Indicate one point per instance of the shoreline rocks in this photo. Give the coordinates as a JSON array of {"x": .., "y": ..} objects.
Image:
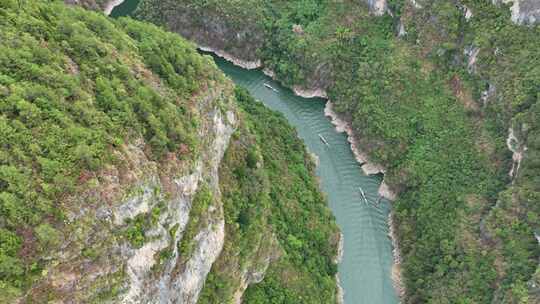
[
  {"x": 361, "y": 157},
  {"x": 396, "y": 266},
  {"x": 340, "y": 294},
  {"x": 249, "y": 65},
  {"x": 269, "y": 73},
  {"x": 111, "y": 5},
  {"x": 309, "y": 93},
  {"x": 337, "y": 260}
]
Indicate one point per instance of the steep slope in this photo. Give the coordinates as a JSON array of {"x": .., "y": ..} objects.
[
  {"x": 431, "y": 90},
  {"x": 106, "y": 132},
  {"x": 497, "y": 61},
  {"x": 112, "y": 135}
]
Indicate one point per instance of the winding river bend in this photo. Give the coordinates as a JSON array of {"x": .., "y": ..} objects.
[{"x": 365, "y": 269}]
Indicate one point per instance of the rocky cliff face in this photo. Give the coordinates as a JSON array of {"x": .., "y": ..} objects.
[
  {"x": 523, "y": 11},
  {"x": 377, "y": 7},
  {"x": 154, "y": 271},
  {"x": 118, "y": 239},
  {"x": 180, "y": 278}
]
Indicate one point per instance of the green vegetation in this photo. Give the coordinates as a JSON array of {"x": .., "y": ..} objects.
[
  {"x": 197, "y": 220},
  {"x": 428, "y": 142},
  {"x": 508, "y": 64},
  {"x": 108, "y": 287},
  {"x": 269, "y": 191},
  {"x": 75, "y": 89},
  {"x": 466, "y": 229},
  {"x": 136, "y": 228},
  {"x": 77, "y": 92}
]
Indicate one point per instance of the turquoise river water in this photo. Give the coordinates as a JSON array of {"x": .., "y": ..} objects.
[
  {"x": 125, "y": 8},
  {"x": 365, "y": 269}
]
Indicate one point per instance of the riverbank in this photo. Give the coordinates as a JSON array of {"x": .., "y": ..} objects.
[
  {"x": 111, "y": 5},
  {"x": 339, "y": 257},
  {"x": 384, "y": 190},
  {"x": 298, "y": 90},
  {"x": 249, "y": 65},
  {"x": 361, "y": 157},
  {"x": 396, "y": 253}
]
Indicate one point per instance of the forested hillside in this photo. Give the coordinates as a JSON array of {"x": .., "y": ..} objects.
[
  {"x": 112, "y": 187},
  {"x": 74, "y": 89},
  {"x": 437, "y": 92}
]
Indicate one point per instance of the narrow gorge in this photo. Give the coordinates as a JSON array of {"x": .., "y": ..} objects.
[{"x": 270, "y": 152}]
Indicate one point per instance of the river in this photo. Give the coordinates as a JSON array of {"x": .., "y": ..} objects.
[
  {"x": 125, "y": 8},
  {"x": 365, "y": 269}
]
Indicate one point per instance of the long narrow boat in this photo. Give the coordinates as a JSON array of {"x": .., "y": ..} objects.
[
  {"x": 363, "y": 195},
  {"x": 323, "y": 140},
  {"x": 270, "y": 87}
]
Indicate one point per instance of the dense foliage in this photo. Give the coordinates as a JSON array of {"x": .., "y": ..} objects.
[
  {"x": 270, "y": 192},
  {"x": 74, "y": 88},
  {"x": 504, "y": 79},
  {"x": 197, "y": 220},
  {"x": 77, "y": 90},
  {"x": 422, "y": 106},
  {"x": 428, "y": 142}
]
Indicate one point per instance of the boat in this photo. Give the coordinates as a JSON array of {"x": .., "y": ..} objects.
[
  {"x": 270, "y": 87},
  {"x": 323, "y": 140},
  {"x": 363, "y": 195}
]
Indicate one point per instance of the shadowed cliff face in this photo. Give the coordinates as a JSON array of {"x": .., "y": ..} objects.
[
  {"x": 89, "y": 4},
  {"x": 209, "y": 29},
  {"x": 205, "y": 24}
]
